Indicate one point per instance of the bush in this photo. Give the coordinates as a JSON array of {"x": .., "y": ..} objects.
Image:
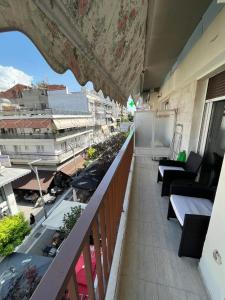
[
  {"x": 13, "y": 230},
  {"x": 69, "y": 220},
  {"x": 92, "y": 153}
]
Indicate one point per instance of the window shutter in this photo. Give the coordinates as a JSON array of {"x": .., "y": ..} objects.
[{"x": 216, "y": 86}]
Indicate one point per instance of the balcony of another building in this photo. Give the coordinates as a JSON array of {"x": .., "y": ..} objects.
[{"x": 43, "y": 133}]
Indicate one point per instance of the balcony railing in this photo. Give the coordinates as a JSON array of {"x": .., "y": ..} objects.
[
  {"x": 79, "y": 130},
  {"x": 45, "y": 111},
  {"x": 46, "y": 156},
  {"x": 101, "y": 218}
]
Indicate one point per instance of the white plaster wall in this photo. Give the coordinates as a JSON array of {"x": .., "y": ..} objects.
[
  {"x": 30, "y": 143},
  {"x": 206, "y": 58},
  {"x": 213, "y": 273},
  {"x": 68, "y": 102},
  {"x": 11, "y": 201}
]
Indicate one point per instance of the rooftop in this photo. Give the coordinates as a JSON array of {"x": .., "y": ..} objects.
[{"x": 14, "y": 92}]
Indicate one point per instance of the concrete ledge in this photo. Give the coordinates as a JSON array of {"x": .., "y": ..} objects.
[{"x": 113, "y": 283}]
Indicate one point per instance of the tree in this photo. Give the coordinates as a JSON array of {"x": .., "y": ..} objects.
[
  {"x": 13, "y": 230},
  {"x": 92, "y": 153},
  {"x": 69, "y": 220}
]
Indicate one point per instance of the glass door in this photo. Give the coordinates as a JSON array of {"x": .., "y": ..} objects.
[{"x": 214, "y": 146}]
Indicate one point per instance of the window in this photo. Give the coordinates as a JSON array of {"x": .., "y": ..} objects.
[
  {"x": 166, "y": 105},
  {"x": 63, "y": 146},
  {"x": 2, "y": 148},
  {"x": 37, "y": 130},
  {"x": 26, "y": 148},
  {"x": 40, "y": 148},
  {"x": 17, "y": 148}
]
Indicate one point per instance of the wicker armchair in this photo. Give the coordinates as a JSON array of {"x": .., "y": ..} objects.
[
  {"x": 192, "y": 205},
  {"x": 170, "y": 170}
]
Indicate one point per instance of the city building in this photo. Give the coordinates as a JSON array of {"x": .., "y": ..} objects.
[
  {"x": 54, "y": 139},
  {"x": 8, "y": 175}
]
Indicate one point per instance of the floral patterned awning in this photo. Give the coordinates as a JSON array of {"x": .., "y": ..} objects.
[{"x": 102, "y": 41}]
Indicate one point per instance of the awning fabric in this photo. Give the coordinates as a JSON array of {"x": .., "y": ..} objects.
[
  {"x": 55, "y": 219},
  {"x": 29, "y": 181},
  {"x": 26, "y": 123},
  {"x": 8, "y": 175},
  {"x": 100, "y": 43},
  {"x": 73, "y": 122},
  {"x": 70, "y": 168}
]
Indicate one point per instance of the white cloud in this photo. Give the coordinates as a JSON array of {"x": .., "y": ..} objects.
[{"x": 9, "y": 76}]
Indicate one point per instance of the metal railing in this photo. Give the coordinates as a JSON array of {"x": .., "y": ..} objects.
[
  {"x": 47, "y": 135},
  {"x": 45, "y": 111},
  {"x": 101, "y": 218},
  {"x": 26, "y": 156}
]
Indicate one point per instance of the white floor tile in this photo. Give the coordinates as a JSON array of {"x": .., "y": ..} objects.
[{"x": 151, "y": 268}]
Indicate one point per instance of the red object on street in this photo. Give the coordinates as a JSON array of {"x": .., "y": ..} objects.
[{"x": 81, "y": 276}]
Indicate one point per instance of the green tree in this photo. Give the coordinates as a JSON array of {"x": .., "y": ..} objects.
[
  {"x": 92, "y": 153},
  {"x": 69, "y": 220},
  {"x": 13, "y": 230}
]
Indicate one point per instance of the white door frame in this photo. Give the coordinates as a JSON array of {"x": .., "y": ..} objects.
[{"x": 208, "y": 108}]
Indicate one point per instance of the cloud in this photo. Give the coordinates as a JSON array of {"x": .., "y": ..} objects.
[{"x": 9, "y": 76}]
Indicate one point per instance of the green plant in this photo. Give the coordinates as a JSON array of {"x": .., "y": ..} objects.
[
  {"x": 13, "y": 230},
  {"x": 92, "y": 153},
  {"x": 69, "y": 220}
]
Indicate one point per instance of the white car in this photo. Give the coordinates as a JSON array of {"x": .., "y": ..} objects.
[{"x": 47, "y": 200}]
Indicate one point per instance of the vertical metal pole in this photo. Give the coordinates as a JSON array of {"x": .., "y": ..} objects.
[{"x": 40, "y": 191}]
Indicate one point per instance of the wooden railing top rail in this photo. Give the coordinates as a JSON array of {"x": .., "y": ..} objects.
[{"x": 59, "y": 272}]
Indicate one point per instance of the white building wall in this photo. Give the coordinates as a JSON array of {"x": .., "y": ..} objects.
[
  {"x": 206, "y": 58},
  {"x": 70, "y": 102},
  {"x": 213, "y": 271},
  {"x": 11, "y": 201},
  {"x": 28, "y": 145},
  {"x": 33, "y": 99}
]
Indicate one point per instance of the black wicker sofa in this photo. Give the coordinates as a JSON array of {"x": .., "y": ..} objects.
[
  {"x": 170, "y": 170},
  {"x": 192, "y": 205}
]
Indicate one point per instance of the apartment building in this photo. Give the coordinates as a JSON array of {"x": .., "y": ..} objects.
[
  {"x": 54, "y": 139},
  {"x": 8, "y": 175}
]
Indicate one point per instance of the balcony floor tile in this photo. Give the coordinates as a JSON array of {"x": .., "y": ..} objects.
[{"x": 151, "y": 268}]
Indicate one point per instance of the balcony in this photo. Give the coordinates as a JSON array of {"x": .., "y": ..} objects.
[
  {"x": 148, "y": 267},
  {"x": 151, "y": 268},
  {"x": 46, "y": 157},
  {"x": 39, "y": 112},
  {"x": 56, "y": 135}
]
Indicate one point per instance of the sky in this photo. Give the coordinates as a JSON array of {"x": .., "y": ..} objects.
[{"x": 21, "y": 62}]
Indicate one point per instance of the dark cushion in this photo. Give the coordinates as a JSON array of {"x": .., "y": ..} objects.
[{"x": 194, "y": 162}]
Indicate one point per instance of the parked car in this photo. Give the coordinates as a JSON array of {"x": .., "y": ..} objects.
[
  {"x": 48, "y": 199},
  {"x": 56, "y": 191},
  {"x": 32, "y": 196}
]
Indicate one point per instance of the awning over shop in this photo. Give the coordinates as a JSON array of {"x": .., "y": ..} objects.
[
  {"x": 55, "y": 220},
  {"x": 29, "y": 181},
  {"x": 73, "y": 122},
  {"x": 26, "y": 123},
  {"x": 8, "y": 175},
  {"x": 103, "y": 43},
  {"x": 71, "y": 167}
]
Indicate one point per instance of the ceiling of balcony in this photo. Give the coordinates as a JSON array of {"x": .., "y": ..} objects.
[
  {"x": 169, "y": 26},
  {"x": 106, "y": 41}
]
